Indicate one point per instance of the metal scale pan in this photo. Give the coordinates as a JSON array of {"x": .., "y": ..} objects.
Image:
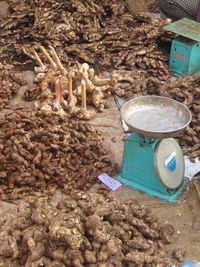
[
  {"x": 156, "y": 116},
  {"x": 150, "y": 153}
]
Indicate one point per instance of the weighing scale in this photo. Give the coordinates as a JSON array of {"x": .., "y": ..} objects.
[
  {"x": 185, "y": 49},
  {"x": 153, "y": 161}
]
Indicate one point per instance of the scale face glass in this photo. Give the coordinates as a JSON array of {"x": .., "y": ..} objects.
[{"x": 169, "y": 163}]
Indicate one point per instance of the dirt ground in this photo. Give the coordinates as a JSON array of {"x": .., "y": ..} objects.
[{"x": 183, "y": 216}]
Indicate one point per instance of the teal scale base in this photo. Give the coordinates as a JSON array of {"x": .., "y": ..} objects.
[
  {"x": 139, "y": 169},
  {"x": 171, "y": 197}
]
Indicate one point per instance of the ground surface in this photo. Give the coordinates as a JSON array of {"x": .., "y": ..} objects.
[{"x": 183, "y": 216}]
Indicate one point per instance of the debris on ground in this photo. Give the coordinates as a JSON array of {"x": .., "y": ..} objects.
[
  {"x": 41, "y": 151},
  {"x": 97, "y": 32},
  {"x": 83, "y": 229},
  {"x": 69, "y": 90},
  {"x": 9, "y": 84},
  {"x": 179, "y": 254}
]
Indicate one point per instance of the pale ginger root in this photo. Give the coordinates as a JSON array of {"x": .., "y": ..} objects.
[
  {"x": 111, "y": 248},
  {"x": 83, "y": 113},
  {"x": 90, "y": 256},
  {"x": 75, "y": 230},
  {"x": 143, "y": 259},
  {"x": 62, "y": 89},
  {"x": 72, "y": 99},
  {"x": 139, "y": 243}
]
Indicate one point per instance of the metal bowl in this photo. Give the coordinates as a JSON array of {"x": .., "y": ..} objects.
[{"x": 156, "y": 116}]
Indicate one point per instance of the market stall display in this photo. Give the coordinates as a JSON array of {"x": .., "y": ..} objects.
[
  {"x": 83, "y": 229},
  {"x": 97, "y": 32},
  {"x": 41, "y": 151}
]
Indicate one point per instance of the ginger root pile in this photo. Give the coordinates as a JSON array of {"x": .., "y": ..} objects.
[
  {"x": 92, "y": 31},
  {"x": 84, "y": 229},
  {"x": 187, "y": 91},
  {"x": 42, "y": 151},
  {"x": 69, "y": 90},
  {"x": 9, "y": 84},
  {"x": 135, "y": 82}
]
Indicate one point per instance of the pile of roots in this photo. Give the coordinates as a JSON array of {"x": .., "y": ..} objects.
[
  {"x": 86, "y": 229},
  {"x": 187, "y": 91},
  {"x": 9, "y": 84},
  {"x": 42, "y": 151},
  {"x": 93, "y": 31},
  {"x": 69, "y": 90}
]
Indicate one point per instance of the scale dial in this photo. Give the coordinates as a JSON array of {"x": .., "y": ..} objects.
[{"x": 169, "y": 163}]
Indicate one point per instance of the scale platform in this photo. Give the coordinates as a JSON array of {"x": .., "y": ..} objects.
[
  {"x": 185, "y": 48},
  {"x": 153, "y": 161}
]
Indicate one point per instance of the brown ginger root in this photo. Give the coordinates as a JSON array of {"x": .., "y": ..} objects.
[
  {"x": 58, "y": 232},
  {"x": 41, "y": 150},
  {"x": 81, "y": 34}
]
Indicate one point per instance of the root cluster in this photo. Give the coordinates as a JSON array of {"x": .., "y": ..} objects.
[
  {"x": 69, "y": 90},
  {"x": 86, "y": 229},
  {"x": 43, "y": 151},
  {"x": 93, "y": 31},
  {"x": 9, "y": 84}
]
